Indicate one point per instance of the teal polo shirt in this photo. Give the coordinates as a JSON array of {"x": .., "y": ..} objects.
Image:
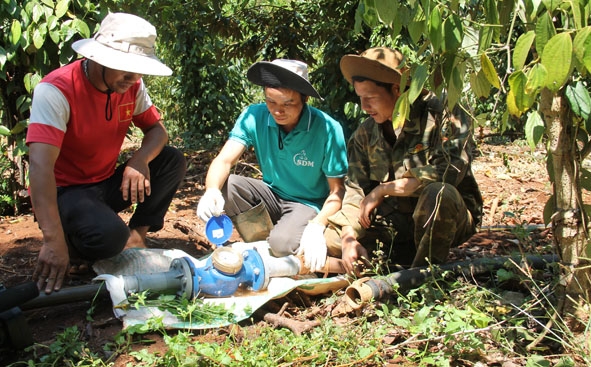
[{"x": 296, "y": 170}]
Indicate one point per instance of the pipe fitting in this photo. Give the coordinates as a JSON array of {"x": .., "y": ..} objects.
[{"x": 358, "y": 293}]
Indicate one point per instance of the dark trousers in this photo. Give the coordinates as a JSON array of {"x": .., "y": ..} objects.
[
  {"x": 92, "y": 227},
  {"x": 439, "y": 222}
]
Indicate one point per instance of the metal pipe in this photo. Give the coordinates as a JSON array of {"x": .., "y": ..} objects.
[{"x": 364, "y": 290}]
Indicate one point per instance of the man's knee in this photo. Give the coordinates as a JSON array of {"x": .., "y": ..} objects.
[
  {"x": 438, "y": 200},
  {"x": 101, "y": 241},
  {"x": 282, "y": 243}
]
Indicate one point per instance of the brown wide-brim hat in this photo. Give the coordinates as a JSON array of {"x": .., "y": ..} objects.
[
  {"x": 282, "y": 73},
  {"x": 380, "y": 64}
]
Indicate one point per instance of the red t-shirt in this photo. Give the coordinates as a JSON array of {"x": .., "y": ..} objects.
[{"x": 69, "y": 113}]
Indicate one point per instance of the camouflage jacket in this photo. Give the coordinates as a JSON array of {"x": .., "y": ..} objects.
[{"x": 433, "y": 146}]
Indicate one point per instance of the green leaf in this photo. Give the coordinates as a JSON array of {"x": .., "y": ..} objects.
[
  {"x": 522, "y": 48},
  {"x": 536, "y": 79},
  {"x": 582, "y": 47},
  {"x": 435, "y": 32},
  {"x": 576, "y": 13},
  {"x": 453, "y": 33},
  {"x": 534, "y": 129},
  {"x": 52, "y": 22},
  {"x": 387, "y": 10},
  {"x": 517, "y": 81},
  {"x": 55, "y": 36},
  {"x": 81, "y": 27},
  {"x": 548, "y": 210},
  {"x": 15, "y": 32},
  {"x": 485, "y": 38},
  {"x": 49, "y": 3},
  {"x": 4, "y": 130},
  {"x": 2, "y": 57},
  {"x": 512, "y": 105},
  {"x": 544, "y": 31},
  {"x": 61, "y": 8},
  {"x": 557, "y": 59},
  {"x": 417, "y": 82},
  {"x": 31, "y": 80},
  {"x": 38, "y": 38},
  {"x": 504, "y": 275},
  {"x": 454, "y": 88},
  {"x": 535, "y": 360},
  {"x": 489, "y": 71},
  {"x": 551, "y": 4},
  {"x": 401, "y": 111},
  {"x": 480, "y": 85},
  {"x": 585, "y": 179},
  {"x": 18, "y": 128},
  {"x": 417, "y": 25},
  {"x": 37, "y": 13},
  {"x": 579, "y": 100}
]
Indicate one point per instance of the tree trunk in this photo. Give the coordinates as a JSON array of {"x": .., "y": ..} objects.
[{"x": 568, "y": 221}]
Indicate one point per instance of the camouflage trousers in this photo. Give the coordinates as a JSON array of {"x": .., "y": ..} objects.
[{"x": 439, "y": 222}]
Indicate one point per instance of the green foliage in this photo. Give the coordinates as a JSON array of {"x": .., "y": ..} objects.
[
  {"x": 194, "y": 310},
  {"x": 69, "y": 350}
]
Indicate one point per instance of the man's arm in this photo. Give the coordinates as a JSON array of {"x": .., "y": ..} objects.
[
  {"x": 405, "y": 186},
  {"x": 54, "y": 259},
  {"x": 135, "y": 184},
  {"x": 333, "y": 202},
  {"x": 220, "y": 167}
]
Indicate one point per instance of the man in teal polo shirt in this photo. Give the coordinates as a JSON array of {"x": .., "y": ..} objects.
[{"x": 302, "y": 154}]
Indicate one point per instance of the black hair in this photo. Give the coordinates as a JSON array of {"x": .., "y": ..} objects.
[
  {"x": 386, "y": 86},
  {"x": 302, "y": 95}
]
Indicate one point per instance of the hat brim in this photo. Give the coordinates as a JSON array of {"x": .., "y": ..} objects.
[
  {"x": 259, "y": 74},
  {"x": 119, "y": 60},
  {"x": 355, "y": 65}
]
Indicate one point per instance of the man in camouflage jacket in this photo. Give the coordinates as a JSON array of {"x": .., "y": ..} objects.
[{"x": 410, "y": 190}]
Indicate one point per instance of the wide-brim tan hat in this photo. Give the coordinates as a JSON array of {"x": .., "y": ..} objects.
[
  {"x": 282, "y": 73},
  {"x": 124, "y": 42},
  {"x": 380, "y": 64}
]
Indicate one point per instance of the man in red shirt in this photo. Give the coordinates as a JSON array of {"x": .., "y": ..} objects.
[{"x": 80, "y": 115}]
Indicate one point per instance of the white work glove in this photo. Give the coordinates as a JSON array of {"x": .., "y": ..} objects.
[
  {"x": 313, "y": 246},
  {"x": 211, "y": 204}
]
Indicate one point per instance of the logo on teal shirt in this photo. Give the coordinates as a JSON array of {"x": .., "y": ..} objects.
[{"x": 301, "y": 159}]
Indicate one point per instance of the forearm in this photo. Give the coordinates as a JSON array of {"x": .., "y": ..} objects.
[
  {"x": 153, "y": 142},
  {"x": 333, "y": 202},
  {"x": 217, "y": 174},
  {"x": 401, "y": 187},
  {"x": 332, "y": 205},
  {"x": 44, "y": 200}
]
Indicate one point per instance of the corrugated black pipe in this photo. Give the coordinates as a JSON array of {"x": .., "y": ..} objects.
[{"x": 364, "y": 290}]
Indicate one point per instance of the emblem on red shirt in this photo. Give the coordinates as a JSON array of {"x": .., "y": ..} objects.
[{"x": 125, "y": 112}]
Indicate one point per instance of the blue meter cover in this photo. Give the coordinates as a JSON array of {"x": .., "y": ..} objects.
[{"x": 218, "y": 230}]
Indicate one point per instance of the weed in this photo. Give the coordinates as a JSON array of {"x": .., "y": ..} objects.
[{"x": 68, "y": 350}]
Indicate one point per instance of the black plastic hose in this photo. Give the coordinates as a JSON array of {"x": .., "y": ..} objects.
[{"x": 366, "y": 289}]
